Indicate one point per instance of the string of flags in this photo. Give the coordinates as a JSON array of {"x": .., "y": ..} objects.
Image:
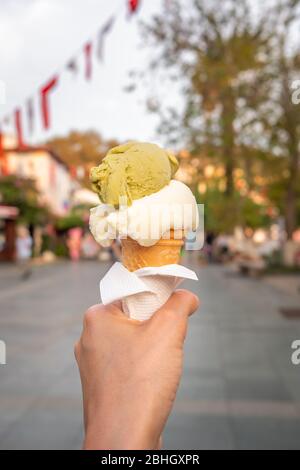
[{"x": 27, "y": 112}]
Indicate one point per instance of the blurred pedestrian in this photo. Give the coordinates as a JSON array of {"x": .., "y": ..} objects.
[
  {"x": 209, "y": 242},
  {"x": 24, "y": 251},
  {"x": 74, "y": 243},
  {"x": 89, "y": 247},
  {"x": 222, "y": 248}
]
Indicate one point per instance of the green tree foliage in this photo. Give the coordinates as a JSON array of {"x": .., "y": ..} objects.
[
  {"x": 69, "y": 221},
  {"x": 78, "y": 217},
  {"x": 221, "y": 214},
  {"x": 22, "y": 193},
  {"x": 216, "y": 47},
  {"x": 84, "y": 149},
  {"x": 235, "y": 64},
  {"x": 280, "y": 115}
]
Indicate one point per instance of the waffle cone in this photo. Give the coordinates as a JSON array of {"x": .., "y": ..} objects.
[{"x": 165, "y": 251}]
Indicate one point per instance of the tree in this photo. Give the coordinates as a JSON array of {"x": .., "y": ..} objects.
[
  {"x": 23, "y": 194},
  {"x": 85, "y": 149},
  {"x": 282, "y": 119},
  {"x": 236, "y": 69},
  {"x": 216, "y": 48}
]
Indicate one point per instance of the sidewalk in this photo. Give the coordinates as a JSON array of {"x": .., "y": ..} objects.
[
  {"x": 289, "y": 284},
  {"x": 239, "y": 388}
]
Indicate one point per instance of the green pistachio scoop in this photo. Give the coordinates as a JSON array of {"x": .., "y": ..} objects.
[{"x": 132, "y": 171}]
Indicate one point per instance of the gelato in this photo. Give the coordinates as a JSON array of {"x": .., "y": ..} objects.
[
  {"x": 131, "y": 171},
  {"x": 149, "y": 218},
  {"x": 151, "y": 214}
]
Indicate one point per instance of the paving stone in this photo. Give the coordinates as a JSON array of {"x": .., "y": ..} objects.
[{"x": 238, "y": 390}]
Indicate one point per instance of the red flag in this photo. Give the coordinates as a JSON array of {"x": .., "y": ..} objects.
[
  {"x": 88, "y": 60},
  {"x": 133, "y": 5},
  {"x": 45, "y": 102},
  {"x": 18, "y": 127}
]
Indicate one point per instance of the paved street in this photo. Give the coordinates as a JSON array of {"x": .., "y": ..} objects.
[{"x": 239, "y": 389}]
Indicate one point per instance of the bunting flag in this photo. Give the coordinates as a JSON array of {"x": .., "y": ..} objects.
[
  {"x": 133, "y": 5},
  {"x": 72, "y": 66},
  {"x": 30, "y": 115},
  {"x": 6, "y": 120},
  {"x": 16, "y": 117},
  {"x": 45, "y": 90},
  {"x": 88, "y": 60},
  {"x": 18, "y": 127},
  {"x": 101, "y": 36}
]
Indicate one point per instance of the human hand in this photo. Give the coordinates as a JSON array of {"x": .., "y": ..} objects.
[{"x": 130, "y": 372}]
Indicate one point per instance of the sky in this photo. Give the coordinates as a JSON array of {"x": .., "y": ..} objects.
[{"x": 37, "y": 39}]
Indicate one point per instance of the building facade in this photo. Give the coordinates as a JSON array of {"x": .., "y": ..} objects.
[{"x": 51, "y": 175}]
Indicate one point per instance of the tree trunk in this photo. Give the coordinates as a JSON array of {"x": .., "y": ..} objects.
[
  {"x": 290, "y": 121},
  {"x": 291, "y": 197},
  {"x": 227, "y": 119},
  {"x": 290, "y": 213}
]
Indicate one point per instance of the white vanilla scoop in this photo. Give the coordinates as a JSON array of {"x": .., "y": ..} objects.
[{"x": 148, "y": 219}]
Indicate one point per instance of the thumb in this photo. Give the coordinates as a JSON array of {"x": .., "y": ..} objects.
[{"x": 182, "y": 303}]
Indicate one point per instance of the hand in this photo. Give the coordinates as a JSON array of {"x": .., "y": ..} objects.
[{"x": 130, "y": 372}]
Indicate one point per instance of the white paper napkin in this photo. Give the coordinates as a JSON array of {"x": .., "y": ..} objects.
[{"x": 143, "y": 291}]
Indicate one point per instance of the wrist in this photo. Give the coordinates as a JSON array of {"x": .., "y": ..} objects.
[
  {"x": 104, "y": 434},
  {"x": 120, "y": 426}
]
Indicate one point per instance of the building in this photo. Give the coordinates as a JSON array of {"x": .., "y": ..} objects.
[
  {"x": 50, "y": 173},
  {"x": 8, "y": 216}
]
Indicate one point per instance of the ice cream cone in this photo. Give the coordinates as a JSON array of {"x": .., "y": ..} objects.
[{"x": 165, "y": 251}]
